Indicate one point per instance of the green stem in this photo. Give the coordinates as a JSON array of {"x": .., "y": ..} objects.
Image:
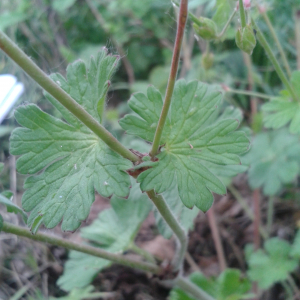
[
  {"x": 249, "y": 93},
  {"x": 288, "y": 290},
  {"x": 97, "y": 252},
  {"x": 142, "y": 253},
  {"x": 242, "y": 14},
  {"x": 246, "y": 208},
  {"x": 192, "y": 289},
  {"x": 220, "y": 35},
  {"x": 21, "y": 59},
  {"x": 171, "y": 220},
  {"x": 278, "y": 44},
  {"x": 261, "y": 38},
  {"x": 172, "y": 78},
  {"x": 270, "y": 214}
]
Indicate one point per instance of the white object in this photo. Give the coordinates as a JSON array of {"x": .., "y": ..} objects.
[{"x": 10, "y": 92}]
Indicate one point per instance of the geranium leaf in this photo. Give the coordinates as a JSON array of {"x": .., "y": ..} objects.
[
  {"x": 192, "y": 136},
  {"x": 114, "y": 230},
  {"x": 74, "y": 161},
  {"x": 273, "y": 160},
  {"x": 282, "y": 110},
  {"x": 228, "y": 286},
  {"x": 271, "y": 265}
]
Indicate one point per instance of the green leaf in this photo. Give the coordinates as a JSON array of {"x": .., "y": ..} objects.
[
  {"x": 1, "y": 167},
  {"x": 61, "y": 6},
  {"x": 273, "y": 160},
  {"x": 5, "y": 199},
  {"x": 73, "y": 160},
  {"x": 224, "y": 10},
  {"x": 192, "y": 136},
  {"x": 271, "y": 265},
  {"x": 9, "y": 19},
  {"x": 282, "y": 110},
  {"x": 114, "y": 231},
  {"x": 228, "y": 286}
]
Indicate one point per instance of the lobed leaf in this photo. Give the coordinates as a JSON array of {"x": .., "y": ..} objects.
[
  {"x": 228, "y": 286},
  {"x": 273, "y": 160},
  {"x": 192, "y": 137},
  {"x": 271, "y": 265},
  {"x": 66, "y": 160},
  {"x": 114, "y": 231},
  {"x": 281, "y": 110}
]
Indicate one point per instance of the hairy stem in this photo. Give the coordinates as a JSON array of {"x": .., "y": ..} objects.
[
  {"x": 275, "y": 38},
  {"x": 242, "y": 14},
  {"x": 142, "y": 253},
  {"x": 21, "y": 59},
  {"x": 45, "y": 238},
  {"x": 248, "y": 93},
  {"x": 253, "y": 100},
  {"x": 192, "y": 289},
  {"x": 172, "y": 78},
  {"x": 246, "y": 208},
  {"x": 170, "y": 219},
  {"x": 261, "y": 38},
  {"x": 217, "y": 238},
  {"x": 221, "y": 34}
]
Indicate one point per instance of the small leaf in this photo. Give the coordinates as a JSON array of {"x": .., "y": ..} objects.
[
  {"x": 272, "y": 265},
  {"x": 114, "y": 231},
  {"x": 192, "y": 136},
  {"x": 273, "y": 160},
  {"x": 73, "y": 160},
  {"x": 11, "y": 207},
  {"x": 228, "y": 286},
  {"x": 281, "y": 110}
]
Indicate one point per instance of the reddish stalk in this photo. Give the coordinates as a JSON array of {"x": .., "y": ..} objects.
[
  {"x": 217, "y": 238},
  {"x": 256, "y": 237},
  {"x": 183, "y": 11},
  {"x": 257, "y": 218}
]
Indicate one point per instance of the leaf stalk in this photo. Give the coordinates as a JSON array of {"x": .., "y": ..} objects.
[
  {"x": 172, "y": 78},
  {"x": 171, "y": 220},
  {"x": 276, "y": 40},
  {"x": 192, "y": 289},
  {"x": 97, "y": 252},
  {"x": 261, "y": 38},
  {"x": 242, "y": 14}
]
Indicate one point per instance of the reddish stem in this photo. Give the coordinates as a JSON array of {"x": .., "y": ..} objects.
[
  {"x": 172, "y": 78},
  {"x": 217, "y": 238},
  {"x": 257, "y": 217}
]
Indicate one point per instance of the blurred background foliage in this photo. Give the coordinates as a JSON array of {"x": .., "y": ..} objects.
[{"x": 55, "y": 33}]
